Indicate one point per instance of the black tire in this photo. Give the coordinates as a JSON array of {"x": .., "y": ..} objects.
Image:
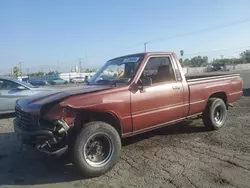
[
  {"x": 96, "y": 130},
  {"x": 215, "y": 114}
]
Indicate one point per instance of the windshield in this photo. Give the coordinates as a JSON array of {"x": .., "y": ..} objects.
[{"x": 119, "y": 70}]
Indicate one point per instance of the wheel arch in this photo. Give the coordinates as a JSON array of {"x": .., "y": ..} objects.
[
  {"x": 84, "y": 117},
  {"x": 221, "y": 95}
]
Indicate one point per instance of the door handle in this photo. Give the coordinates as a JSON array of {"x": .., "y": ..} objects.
[{"x": 176, "y": 87}]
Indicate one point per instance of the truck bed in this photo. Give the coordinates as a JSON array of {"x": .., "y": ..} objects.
[
  {"x": 202, "y": 86},
  {"x": 202, "y": 76}
]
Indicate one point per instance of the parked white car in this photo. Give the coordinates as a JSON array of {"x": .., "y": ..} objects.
[{"x": 78, "y": 80}]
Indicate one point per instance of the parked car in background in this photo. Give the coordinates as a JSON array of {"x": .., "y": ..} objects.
[
  {"x": 38, "y": 82},
  {"x": 12, "y": 89},
  {"x": 78, "y": 80},
  {"x": 213, "y": 68},
  {"x": 24, "y": 79},
  {"x": 58, "y": 81}
]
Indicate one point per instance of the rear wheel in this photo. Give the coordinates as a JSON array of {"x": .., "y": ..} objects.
[
  {"x": 215, "y": 114},
  {"x": 97, "y": 149}
]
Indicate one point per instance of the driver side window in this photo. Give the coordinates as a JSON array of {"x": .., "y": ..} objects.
[
  {"x": 159, "y": 69},
  {"x": 8, "y": 85}
]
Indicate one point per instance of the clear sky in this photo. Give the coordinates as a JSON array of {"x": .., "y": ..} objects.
[{"x": 55, "y": 34}]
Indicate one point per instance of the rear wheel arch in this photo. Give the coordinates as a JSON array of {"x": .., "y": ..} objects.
[{"x": 221, "y": 95}]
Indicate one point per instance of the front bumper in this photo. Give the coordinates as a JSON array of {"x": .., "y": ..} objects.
[
  {"x": 32, "y": 137},
  {"x": 41, "y": 139}
]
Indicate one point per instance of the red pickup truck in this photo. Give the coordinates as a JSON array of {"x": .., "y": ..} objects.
[{"x": 128, "y": 95}]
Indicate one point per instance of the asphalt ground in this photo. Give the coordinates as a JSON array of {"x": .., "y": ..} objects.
[{"x": 184, "y": 155}]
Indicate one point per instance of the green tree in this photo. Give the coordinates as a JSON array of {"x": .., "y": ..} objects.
[
  {"x": 52, "y": 73},
  {"x": 187, "y": 62},
  {"x": 89, "y": 70},
  {"x": 40, "y": 73},
  {"x": 16, "y": 71},
  {"x": 236, "y": 61},
  {"x": 37, "y": 74},
  {"x": 221, "y": 62},
  {"x": 245, "y": 55},
  {"x": 199, "y": 61}
]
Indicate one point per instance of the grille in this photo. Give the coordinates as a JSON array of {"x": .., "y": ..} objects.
[{"x": 25, "y": 119}]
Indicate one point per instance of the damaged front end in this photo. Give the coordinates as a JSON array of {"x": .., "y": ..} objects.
[
  {"x": 49, "y": 131},
  {"x": 58, "y": 143}
]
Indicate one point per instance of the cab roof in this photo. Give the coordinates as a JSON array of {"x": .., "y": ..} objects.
[{"x": 145, "y": 54}]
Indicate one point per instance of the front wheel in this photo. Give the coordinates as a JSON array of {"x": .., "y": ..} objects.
[
  {"x": 97, "y": 149},
  {"x": 215, "y": 114}
]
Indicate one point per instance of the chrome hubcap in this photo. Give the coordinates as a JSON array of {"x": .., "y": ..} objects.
[
  {"x": 98, "y": 150},
  {"x": 218, "y": 115}
]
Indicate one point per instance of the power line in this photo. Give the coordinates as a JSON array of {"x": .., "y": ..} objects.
[
  {"x": 203, "y": 30},
  {"x": 217, "y": 50},
  {"x": 194, "y": 32}
]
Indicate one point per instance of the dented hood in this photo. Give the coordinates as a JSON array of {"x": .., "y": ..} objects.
[{"x": 33, "y": 103}]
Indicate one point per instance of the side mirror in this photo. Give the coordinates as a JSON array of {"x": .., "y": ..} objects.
[
  {"x": 146, "y": 81},
  {"x": 21, "y": 88}
]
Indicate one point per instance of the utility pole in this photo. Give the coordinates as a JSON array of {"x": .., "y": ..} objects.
[
  {"x": 80, "y": 66},
  {"x": 57, "y": 66},
  {"x": 28, "y": 71},
  {"x": 145, "y": 46}
]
